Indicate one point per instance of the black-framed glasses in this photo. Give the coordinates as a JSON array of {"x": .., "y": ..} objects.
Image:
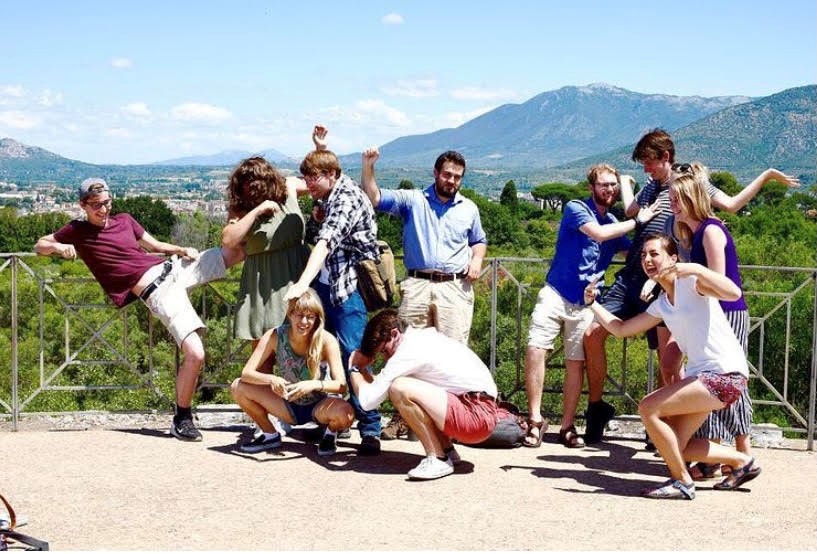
[
  {"x": 682, "y": 168},
  {"x": 313, "y": 178},
  {"x": 610, "y": 185}
]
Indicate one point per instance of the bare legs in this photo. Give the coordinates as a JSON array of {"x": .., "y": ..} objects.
[
  {"x": 423, "y": 407},
  {"x": 671, "y": 416},
  {"x": 258, "y": 402},
  {"x": 188, "y": 375},
  {"x": 535, "y": 367}
]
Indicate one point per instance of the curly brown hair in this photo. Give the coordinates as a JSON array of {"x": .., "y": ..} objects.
[{"x": 252, "y": 182}]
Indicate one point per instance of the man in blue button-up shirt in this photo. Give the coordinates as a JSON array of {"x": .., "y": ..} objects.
[{"x": 443, "y": 245}]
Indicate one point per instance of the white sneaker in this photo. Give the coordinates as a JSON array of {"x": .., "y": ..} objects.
[
  {"x": 431, "y": 468},
  {"x": 453, "y": 456}
]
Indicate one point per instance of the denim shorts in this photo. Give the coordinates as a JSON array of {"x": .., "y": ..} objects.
[{"x": 302, "y": 413}]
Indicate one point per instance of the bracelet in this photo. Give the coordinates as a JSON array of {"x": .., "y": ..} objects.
[{"x": 354, "y": 369}]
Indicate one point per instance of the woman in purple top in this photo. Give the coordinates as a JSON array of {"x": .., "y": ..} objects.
[{"x": 711, "y": 245}]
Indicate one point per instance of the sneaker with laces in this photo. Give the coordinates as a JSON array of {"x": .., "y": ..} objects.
[
  {"x": 452, "y": 455},
  {"x": 431, "y": 467},
  {"x": 327, "y": 446},
  {"x": 260, "y": 443},
  {"x": 185, "y": 429}
]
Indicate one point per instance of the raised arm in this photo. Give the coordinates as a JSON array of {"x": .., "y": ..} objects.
[
  {"x": 153, "y": 245},
  {"x": 319, "y": 133},
  {"x": 709, "y": 283},
  {"x": 734, "y": 203},
  {"x": 367, "y": 180},
  {"x": 601, "y": 233},
  {"x": 48, "y": 245},
  {"x": 618, "y": 327},
  {"x": 313, "y": 266},
  {"x": 234, "y": 233},
  {"x": 627, "y": 197}
]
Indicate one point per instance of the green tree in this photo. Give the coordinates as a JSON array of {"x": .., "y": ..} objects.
[
  {"x": 151, "y": 213},
  {"x": 508, "y": 197},
  {"x": 556, "y": 195},
  {"x": 405, "y": 184},
  {"x": 726, "y": 182},
  {"x": 192, "y": 230}
]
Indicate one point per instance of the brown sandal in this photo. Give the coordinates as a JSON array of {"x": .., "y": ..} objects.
[
  {"x": 541, "y": 426},
  {"x": 570, "y": 438}
]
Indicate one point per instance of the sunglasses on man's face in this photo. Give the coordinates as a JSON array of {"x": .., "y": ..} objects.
[{"x": 99, "y": 205}]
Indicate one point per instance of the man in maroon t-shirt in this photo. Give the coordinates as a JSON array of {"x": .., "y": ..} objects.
[{"x": 114, "y": 249}]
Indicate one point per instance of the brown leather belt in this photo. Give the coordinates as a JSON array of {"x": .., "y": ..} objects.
[
  {"x": 148, "y": 290},
  {"x": 434, "y": 276}
]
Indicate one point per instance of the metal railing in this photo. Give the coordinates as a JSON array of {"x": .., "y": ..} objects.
[{"x": 70, "y": 331}]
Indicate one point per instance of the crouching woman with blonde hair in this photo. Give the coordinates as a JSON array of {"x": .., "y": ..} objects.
[{"x": 296, "y": 391}]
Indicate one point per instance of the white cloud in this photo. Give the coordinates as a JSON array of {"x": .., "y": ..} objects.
[
  {"x": 136, "y": 109},
  {"x": 379, "y": 110},
  {"x": 194, "y": 111},
  {"x": 476, "y": 93},
  {"x": 118, "y": 132},
  {"x": 15, "y": 91},
  {"x": 49, "y": 98},
  {"x": 18, "y": 120},
  {"x": 392, "y": 19},
  {"x": 121, "y": 63},
  {"x": 418, "y": 88},
  {"x": 455, "y": 119}
]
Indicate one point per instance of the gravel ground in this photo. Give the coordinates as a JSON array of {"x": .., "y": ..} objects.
[{"x": 132, "y": 487}]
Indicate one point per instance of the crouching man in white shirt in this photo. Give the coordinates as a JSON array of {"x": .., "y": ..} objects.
[{"x": 441, "y": 388}]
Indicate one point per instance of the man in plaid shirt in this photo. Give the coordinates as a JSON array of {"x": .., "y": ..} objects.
[{"x": 347, "y": 236}]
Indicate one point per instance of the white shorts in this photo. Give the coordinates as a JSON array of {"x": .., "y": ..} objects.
[
  {"x": 550, "y": 315},
  {"x": 170, "y": 302}
]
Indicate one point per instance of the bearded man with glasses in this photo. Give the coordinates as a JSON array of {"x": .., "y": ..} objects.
[{"x": 589, "y": 236}]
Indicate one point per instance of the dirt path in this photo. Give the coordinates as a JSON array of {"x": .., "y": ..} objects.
[{"x": 139, "y": 489}]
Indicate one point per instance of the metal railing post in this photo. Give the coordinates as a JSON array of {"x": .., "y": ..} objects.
[
  {"x": 15, "y": 399},
  {"x": 494, "y": 277},
  {"x": 812, "y": 399}
]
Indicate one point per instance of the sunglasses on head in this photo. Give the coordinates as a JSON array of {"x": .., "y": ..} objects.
[{"x": 682, "y": 168}]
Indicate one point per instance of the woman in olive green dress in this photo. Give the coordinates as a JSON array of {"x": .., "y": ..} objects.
[{"x": 264, "y": 218}]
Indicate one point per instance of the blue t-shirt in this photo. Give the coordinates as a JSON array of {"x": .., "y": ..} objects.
[
  {"x": 436, "y": 235},
  {"x": 578, "y": 259}
]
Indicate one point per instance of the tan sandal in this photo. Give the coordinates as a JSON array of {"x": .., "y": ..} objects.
[
  {"x": 570, "y": 438},
  {"x": 536, "y": 439}
]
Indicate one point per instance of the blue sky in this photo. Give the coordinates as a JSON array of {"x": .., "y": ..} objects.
[{"x": 137, "y": 82}]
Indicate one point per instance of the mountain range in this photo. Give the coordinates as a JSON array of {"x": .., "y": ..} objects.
[
  {"x": 555, "y": 135},
  {"x": 555, "y": 127}
]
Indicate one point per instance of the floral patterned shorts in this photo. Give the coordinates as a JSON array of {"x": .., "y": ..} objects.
[{"x": 726, "y": 387}]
